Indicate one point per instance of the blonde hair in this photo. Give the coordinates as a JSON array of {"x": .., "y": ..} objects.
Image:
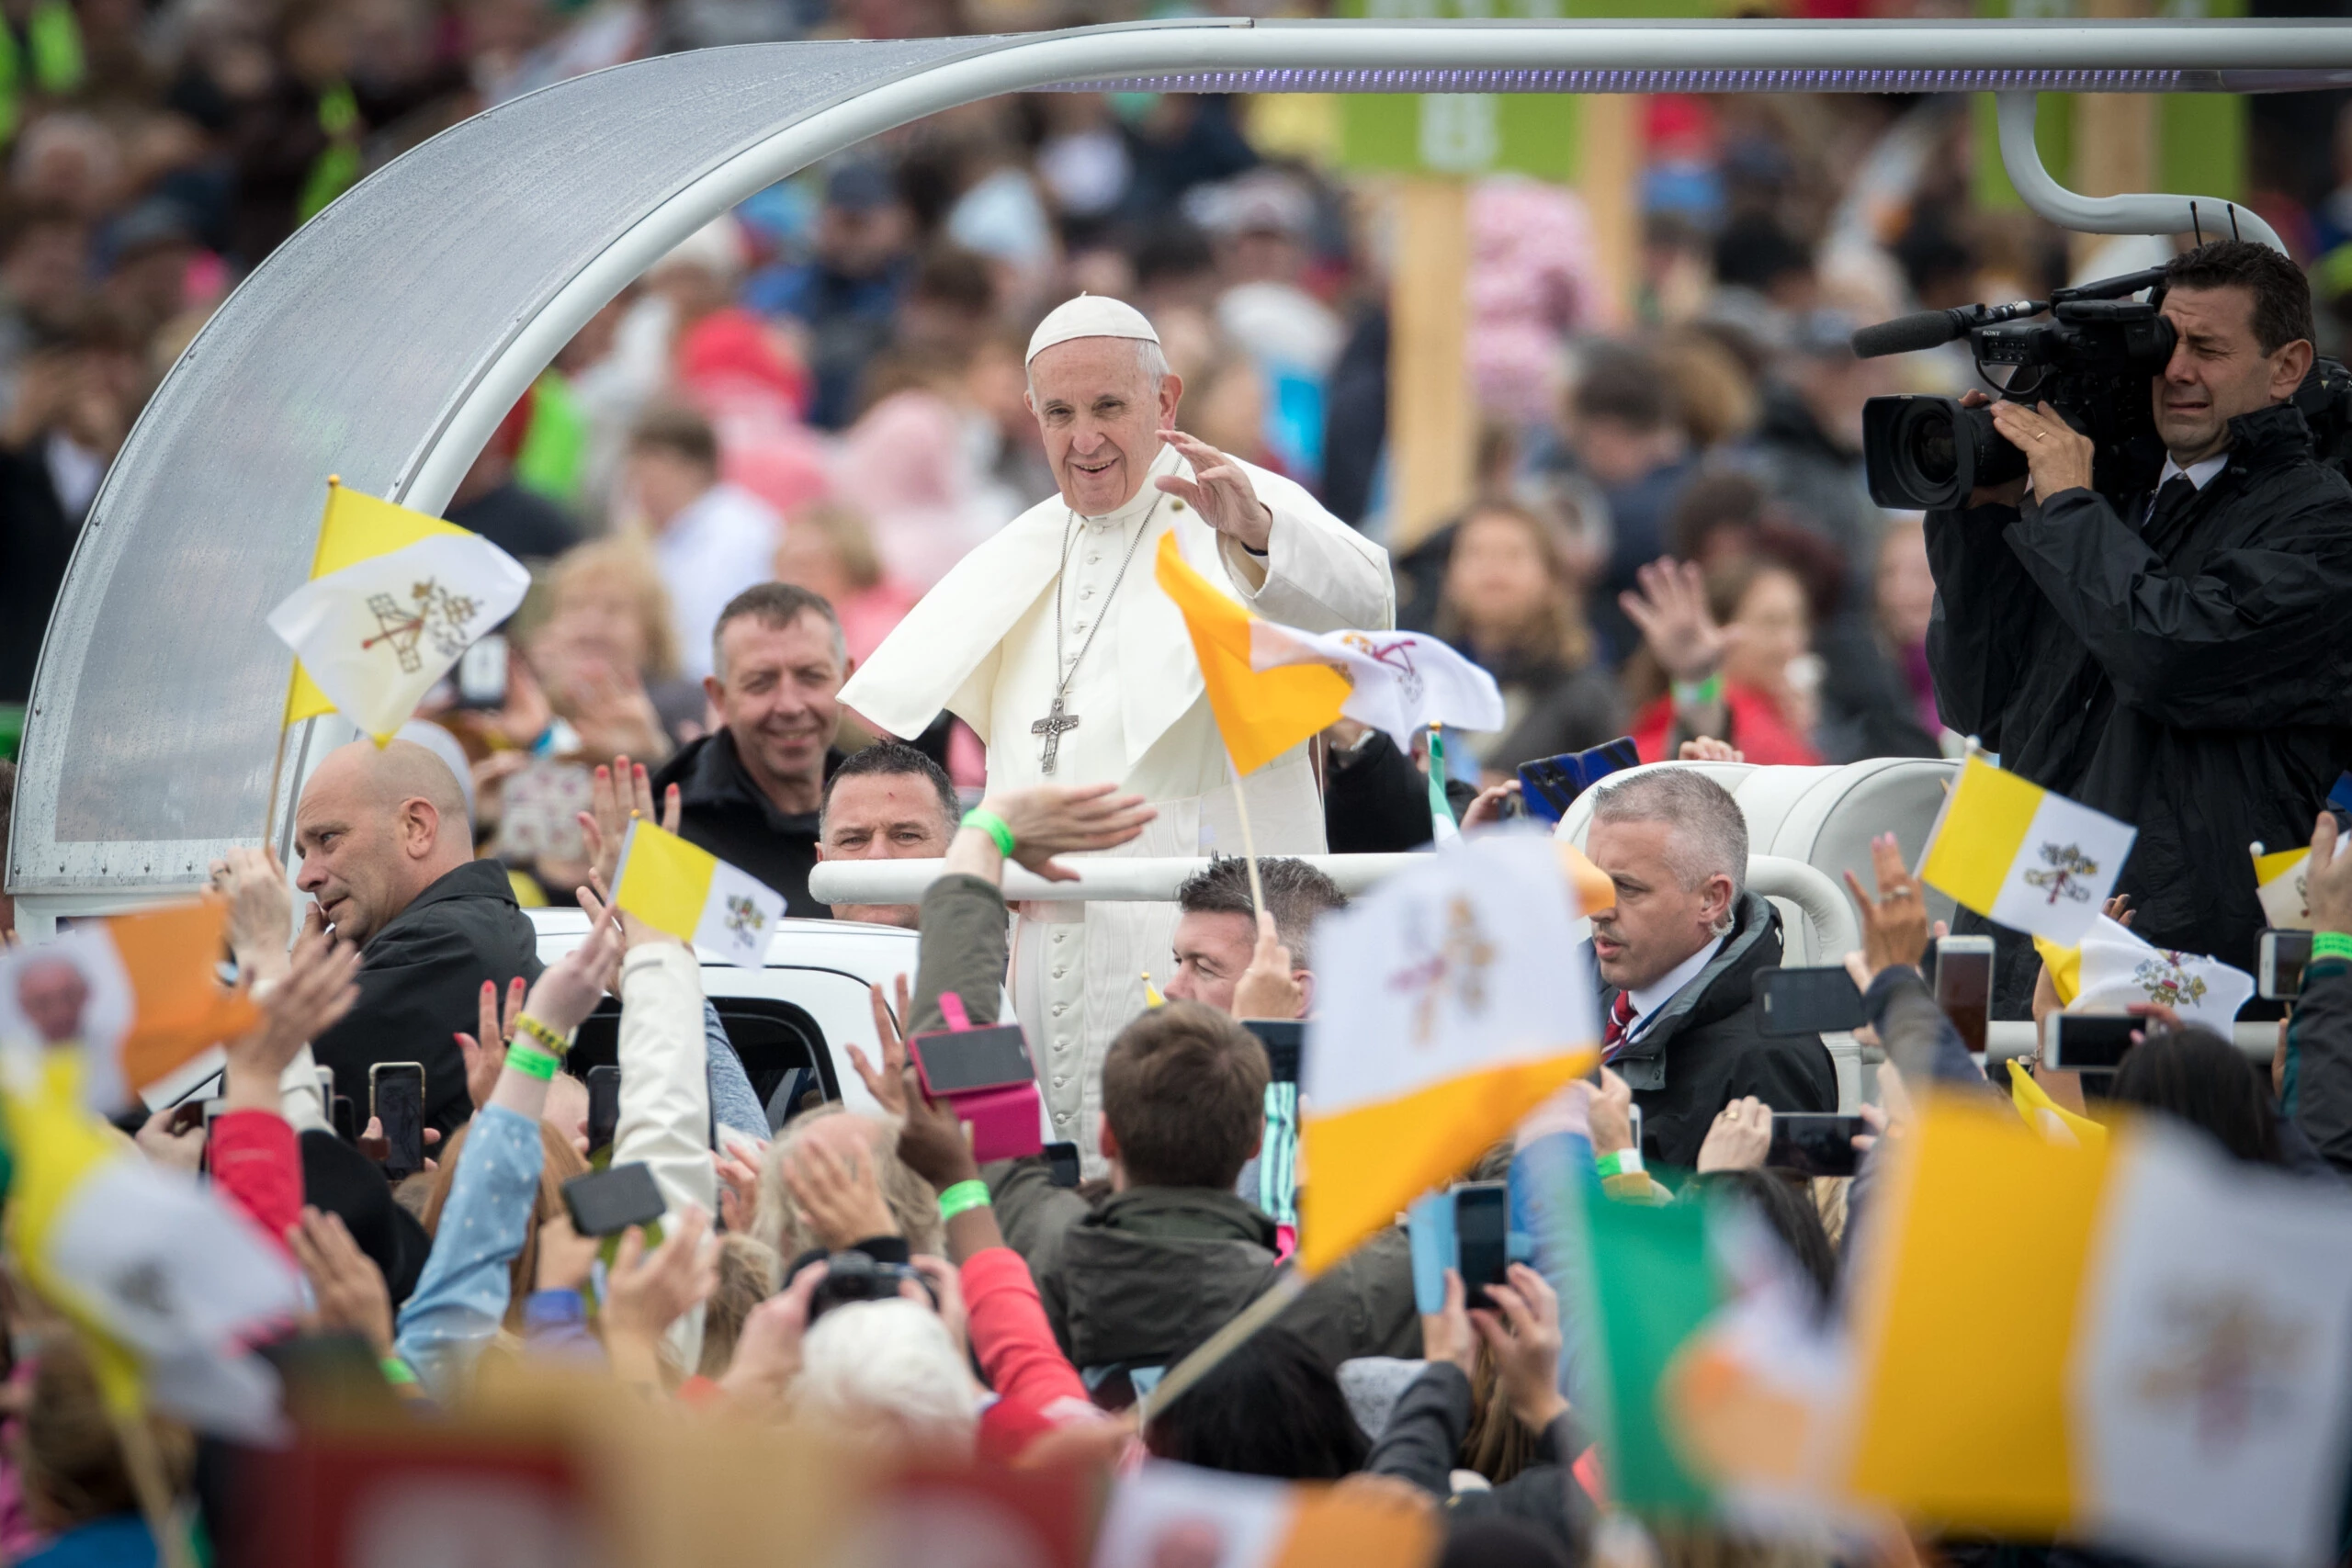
[
  {"x": 913, "y": 1205},
  {"x": 845, "y": 529},
  {"x": 749, "y": 1273},
  {"x": 630, "y": 563}
]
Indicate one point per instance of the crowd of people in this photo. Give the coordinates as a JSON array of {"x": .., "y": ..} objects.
[{"x": 751, "y": 466}]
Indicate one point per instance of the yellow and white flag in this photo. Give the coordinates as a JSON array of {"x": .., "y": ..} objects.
[
  {"x": 684, "y": 889},
  {"x": 1261, "y": 713},
  {"x": 1168, "y": 1513},
  {"x": 1449, "y": 1005},
  {"x": 394, "y": 599},
  {"x": 2115, "y": 968},
  {"x": 2022, "y": 855},
  {"x": 1400, "y": 682},
  {"x": 162, "y": 1279},
  {"x": 2174, "y": 1368},
  {"x": 2279, "y": 882}
]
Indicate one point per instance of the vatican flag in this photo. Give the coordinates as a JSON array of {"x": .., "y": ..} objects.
[
  {"x": 1449, "y": 1005},
  {"x": 1261, "y": 713},
  {"x": 684, "y": 889},
  {"x": 2022, "y": 855},
  {"x": 1398, "y": 681},
  {"x": 394, "y": 598},
  {"x": 164, "y": 1281},
  {"x": 2279, "y": 881},
  {"x": 2175, "y": 1372},
  {"x": 1168, "y": 1513}
]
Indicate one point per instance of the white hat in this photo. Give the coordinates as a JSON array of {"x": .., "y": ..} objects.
[{"x": 1089, "y": 315}]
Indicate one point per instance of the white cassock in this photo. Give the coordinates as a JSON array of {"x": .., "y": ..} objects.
[{"x": 981, "y": 645}]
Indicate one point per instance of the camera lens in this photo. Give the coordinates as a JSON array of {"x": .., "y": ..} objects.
[{"x": 1932, "y": 448}]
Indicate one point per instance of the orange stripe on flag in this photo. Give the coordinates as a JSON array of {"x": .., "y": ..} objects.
[
  {"x": 180, "y": 1009},
  {"x": 1261, "y": 713},
  {"x": 1330, "y": 1529},
  {"x": 1363, "y": 1165}
]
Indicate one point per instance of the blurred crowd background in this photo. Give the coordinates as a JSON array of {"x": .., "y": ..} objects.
[{"x": 826, "y": 385}]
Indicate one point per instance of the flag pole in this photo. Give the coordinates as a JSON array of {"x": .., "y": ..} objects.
[
  {"x": 1224, "y": 1342},
  {"x": 144, "y": 1464},
  {"x": 277, "y": 762},
  {"x": 1248, "y": 843}
]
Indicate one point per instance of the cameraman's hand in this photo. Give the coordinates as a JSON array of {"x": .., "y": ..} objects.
[
  {"x": 2058, "y": 457},
  {"x": 2009, "y": 495}
]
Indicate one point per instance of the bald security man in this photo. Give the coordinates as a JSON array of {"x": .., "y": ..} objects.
[{"x": 388, "y": 854}]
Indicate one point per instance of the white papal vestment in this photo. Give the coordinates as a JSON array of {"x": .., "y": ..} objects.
[{"x": 981, "y": 645}]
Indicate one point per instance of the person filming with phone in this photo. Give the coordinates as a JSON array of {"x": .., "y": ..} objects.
[{"x": 2173, "y": 653}]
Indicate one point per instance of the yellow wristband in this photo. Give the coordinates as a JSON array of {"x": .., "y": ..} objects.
[{"x": 558, "y": 1044}]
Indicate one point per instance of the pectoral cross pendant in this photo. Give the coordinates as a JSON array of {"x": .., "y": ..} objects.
[{"x": 1052, "y": 727}]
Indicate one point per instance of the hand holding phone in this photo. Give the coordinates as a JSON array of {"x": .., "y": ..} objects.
[
  {"x": 1481, "y": 1238},
  {"x": 2278, "y": 973},
  {"x": 2088, "y": 1041},
  {"x": 396, "y": 1100},
  {"x": 1808, "y": 1001},
  {"x": 1815, "y": 1142},
  {"x": 605, "y": 1202},
  {"x": 1964, "y": 987}
]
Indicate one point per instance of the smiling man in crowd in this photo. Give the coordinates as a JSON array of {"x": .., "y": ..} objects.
[{"x": 751, "y": 791}]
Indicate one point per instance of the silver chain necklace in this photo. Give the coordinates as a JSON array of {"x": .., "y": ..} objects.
[{"x": 1057, "y": 721}]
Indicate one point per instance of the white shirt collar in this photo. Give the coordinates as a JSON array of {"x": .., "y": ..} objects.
[
  {"x": 1656, "y": 995},
  {"x": 2200, "y": 474}
]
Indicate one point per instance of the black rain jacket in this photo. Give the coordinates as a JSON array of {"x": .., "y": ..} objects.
[{"x": 2197, "y": 684}]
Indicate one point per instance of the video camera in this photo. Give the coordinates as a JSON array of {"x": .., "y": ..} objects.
[{"x": 2092, "y": 361}]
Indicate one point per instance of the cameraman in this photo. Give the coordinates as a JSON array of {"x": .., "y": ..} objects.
[{"x": 2181, "y": 661}]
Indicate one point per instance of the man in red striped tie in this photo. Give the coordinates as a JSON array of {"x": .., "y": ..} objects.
[{"x": 1677, "y": 957}]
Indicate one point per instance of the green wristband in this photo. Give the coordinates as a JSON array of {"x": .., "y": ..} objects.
[
  {"x": 1699, "y": 693},
  {"x": 962, "y": 1198},
  {"x": 988, "y": 822},
  {"x": 1623, "y": 1162},
  {"x": 531, "y": 1060},
  {"x": 397, "y": 1372},
  {"x": 2331, "y": 944}
]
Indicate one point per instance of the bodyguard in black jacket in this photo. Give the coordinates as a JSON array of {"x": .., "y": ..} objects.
[{"x": 2180, "y": 663}]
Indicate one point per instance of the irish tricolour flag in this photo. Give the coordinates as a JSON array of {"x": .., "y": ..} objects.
[{"x": 684, "y": 889}]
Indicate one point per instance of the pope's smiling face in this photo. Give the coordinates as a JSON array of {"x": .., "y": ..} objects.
[{"x": 1101, "y": 415}]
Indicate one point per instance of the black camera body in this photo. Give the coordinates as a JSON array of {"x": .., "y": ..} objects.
[
  {"x": 2093, "y": 361},
  {"x": 855, "y": 1277}
]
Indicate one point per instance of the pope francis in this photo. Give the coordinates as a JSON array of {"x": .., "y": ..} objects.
[{"x": 1055, "y": 644}]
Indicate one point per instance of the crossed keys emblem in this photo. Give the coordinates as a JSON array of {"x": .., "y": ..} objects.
[
  {"x": 436, "y": 616},
  {"x": 1396, "y": 655},
  {"x": 2163, "y": 980},
  {"x": 2067, "y": 867},
  {"x": 1460, "y": 960},
  {"x": 743, "y": 918}
]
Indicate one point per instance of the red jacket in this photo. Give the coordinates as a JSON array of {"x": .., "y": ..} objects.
[
  {"x": 1757, "y": 728},
  {"x": 259, "y": 1164},
  {"x": 1037, "y": 1388}
]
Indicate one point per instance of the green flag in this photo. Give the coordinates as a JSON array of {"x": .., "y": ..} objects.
[{"x": 1652, "y": 1282}]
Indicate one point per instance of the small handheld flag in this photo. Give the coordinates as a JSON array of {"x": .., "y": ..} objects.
[
  {"x": 2022, "y": 856},
  {"x": 2279, "y": 880},
  {"x": 1398, "y": 681},
  {"x": 1453, "y": 1017},
  {"x": 684, "y": 889},
  {"x": 394, "y": 598},
  {"x": 2114, "y": 968},
  {"x": 1261, "y": 713}
]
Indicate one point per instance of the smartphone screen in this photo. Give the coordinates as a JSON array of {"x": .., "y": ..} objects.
[
  {"x": 1282, "y": 1039},
  {"x": 395, "y": 1095},
  {"x": 1061, "y": 1164},
  {"x": 2088, "y": 1041},
  {"x": 2283, "y": 956},
  {"x": 1548, "y": 786},
  {"x": 603, "y": 1106},
  {"x": 1965, "y": 986},
  {"x": 1815, "y": 1142},
  {"x": 1481, "y": 1237},
  {"x": 604, "y": 1202},
  {"x": 1808, "y": 1001},
  {"x": 972, "y": 1059},
  {"x": 347, "y": 1120},
  {"x": 482, "y": 673}
]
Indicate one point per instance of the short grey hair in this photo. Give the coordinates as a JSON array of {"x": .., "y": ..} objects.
[
  {"x": 1153, "y": 359},
  {"x": 1710, "y": 837}
]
